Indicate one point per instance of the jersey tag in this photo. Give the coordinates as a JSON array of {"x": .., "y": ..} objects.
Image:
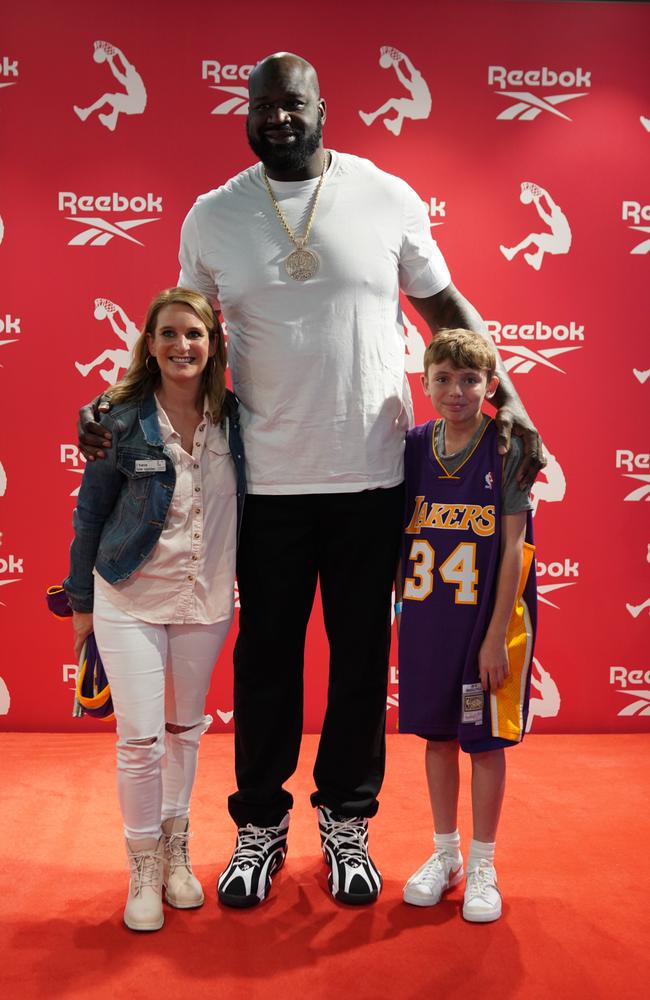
[
  {"x": 472, "y": 704},
  {"x": 150, "y": 465}
]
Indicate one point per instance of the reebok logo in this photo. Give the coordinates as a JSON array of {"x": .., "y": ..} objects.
[
  {"x": 630, "y": 682},
  {"x": 543, "y": 77},
  {"x": 69, "y": 671},
  {"x": 70, "y": 202},
  {"x": 100, "y": 230},
  {"x": 237, "y": 102},
  {"x": 527, "y": 105},
  {"x": 10, "y": 564},
  {"x": 9, "y": 325},
  {"x": 636, "y": 212},
  {"x": 8, "y": 68},
  {"x": 228, "y": 72},
  {"x": 515, "y": 341},
  {"x": 641, "y": 492},
  {"x": 435, "y": 208},
  {"x": 560, "y": 572},
  {"x": 626, "y": 459},
  {"x": 71, "y": 457}
]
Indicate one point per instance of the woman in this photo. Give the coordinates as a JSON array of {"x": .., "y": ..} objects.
[{"x": 152, "y": 567}]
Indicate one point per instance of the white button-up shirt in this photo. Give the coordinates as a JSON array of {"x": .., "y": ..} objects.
[{"x": 189, "y": 576}]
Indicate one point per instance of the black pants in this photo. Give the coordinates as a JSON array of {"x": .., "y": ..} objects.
[{"x": 350, "y": 542}]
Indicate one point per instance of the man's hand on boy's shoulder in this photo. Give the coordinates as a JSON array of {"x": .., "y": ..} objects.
[
  {"x": 94, "y": 440},
  {"x": 533, "y": 461}
]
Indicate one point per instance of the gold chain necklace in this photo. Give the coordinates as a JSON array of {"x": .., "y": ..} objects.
[{"x": 301, "y": 264}]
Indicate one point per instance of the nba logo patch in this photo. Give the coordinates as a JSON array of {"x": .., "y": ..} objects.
[{"x": 489, "y": 481}]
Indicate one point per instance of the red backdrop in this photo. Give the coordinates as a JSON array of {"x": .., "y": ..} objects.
[{"x": 492, "y": 95}]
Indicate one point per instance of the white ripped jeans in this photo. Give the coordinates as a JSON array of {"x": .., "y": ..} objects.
[{"x": 159, "y": 675}]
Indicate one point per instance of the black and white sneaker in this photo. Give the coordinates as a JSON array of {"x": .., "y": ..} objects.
[
  {"x": 344, "y": 839},
  {"x": 259, "y": 852}
]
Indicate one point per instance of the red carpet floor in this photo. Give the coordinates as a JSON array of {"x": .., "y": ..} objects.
[{"x": 572, "y": 859}]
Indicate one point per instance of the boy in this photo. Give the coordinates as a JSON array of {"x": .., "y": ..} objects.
[{"x": 466, "y": 613}]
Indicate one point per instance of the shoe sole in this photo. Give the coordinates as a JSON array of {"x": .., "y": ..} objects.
[
  {"x": 183, "y": 906},
  {"x": 484, "y": 918},
  {"x": 246, "y": 902},
  {"x": 145, "y": 928},
  {"x": 432, "y": 902},
  {"x": 355, "y": 899}
]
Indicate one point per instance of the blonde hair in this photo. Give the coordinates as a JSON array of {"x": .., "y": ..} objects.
[
  {"x": 138, "y": 382},
  {"x": 463, "y": 349}
]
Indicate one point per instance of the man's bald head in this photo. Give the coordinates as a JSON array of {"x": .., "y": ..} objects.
[
  {"x": 285, "y": 116},
  {"x": 284, "y": 65}
]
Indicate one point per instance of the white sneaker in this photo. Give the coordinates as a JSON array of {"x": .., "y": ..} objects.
[
  {"x": 482, "y": 898},
  {"x": 440, "y": 873}
]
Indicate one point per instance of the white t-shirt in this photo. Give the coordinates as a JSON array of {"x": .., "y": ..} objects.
[{"x": 318, "y": 365}]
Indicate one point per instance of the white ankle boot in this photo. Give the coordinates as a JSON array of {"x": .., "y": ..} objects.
[
  {"x": 182, "y": 888},
  {"x": 143, "y": 910}
]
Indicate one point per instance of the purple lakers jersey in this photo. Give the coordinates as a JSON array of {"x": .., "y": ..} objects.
[{"x": 450, "y": 561}]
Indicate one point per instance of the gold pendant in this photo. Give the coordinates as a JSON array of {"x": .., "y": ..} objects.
[{"x": 301, "y": 264}]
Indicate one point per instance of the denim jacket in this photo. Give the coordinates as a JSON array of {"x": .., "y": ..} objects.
[{"x": 121, "y": 510}]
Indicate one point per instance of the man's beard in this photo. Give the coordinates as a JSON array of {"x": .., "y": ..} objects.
[{"x": 293, "y": 156}]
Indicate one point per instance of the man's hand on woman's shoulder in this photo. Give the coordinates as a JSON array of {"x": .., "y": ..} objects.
[{"x": 94, "y": 440}]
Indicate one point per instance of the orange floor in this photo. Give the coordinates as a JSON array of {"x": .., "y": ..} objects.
[{"x": 572, "y": 859}]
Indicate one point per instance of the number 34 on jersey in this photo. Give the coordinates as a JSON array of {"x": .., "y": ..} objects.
[{"x": 458, "y": 569}]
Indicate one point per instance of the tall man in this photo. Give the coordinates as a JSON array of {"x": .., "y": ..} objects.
[{"x": 306, "y": 253}]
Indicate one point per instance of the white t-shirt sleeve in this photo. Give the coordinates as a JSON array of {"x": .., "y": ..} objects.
[
  {"x": 193, "y": 274},
  {"x": 422, "y": 268}
]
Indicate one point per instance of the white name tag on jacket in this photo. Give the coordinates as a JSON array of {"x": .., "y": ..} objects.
[{"x": 150, "y": 465}]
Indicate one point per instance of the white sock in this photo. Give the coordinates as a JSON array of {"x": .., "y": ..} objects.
[
  {"x": 449, "y": 843},
  {"x": 480, "y": 851}
]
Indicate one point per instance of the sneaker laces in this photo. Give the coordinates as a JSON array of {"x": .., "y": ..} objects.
[
  {"x": 145, "y": 869},
  {"x": 348, "y": 836},
  {"x": 251, "y": 842},
  {"x": 480, "y": 880},
  {"x": 435, "y": 866}
]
